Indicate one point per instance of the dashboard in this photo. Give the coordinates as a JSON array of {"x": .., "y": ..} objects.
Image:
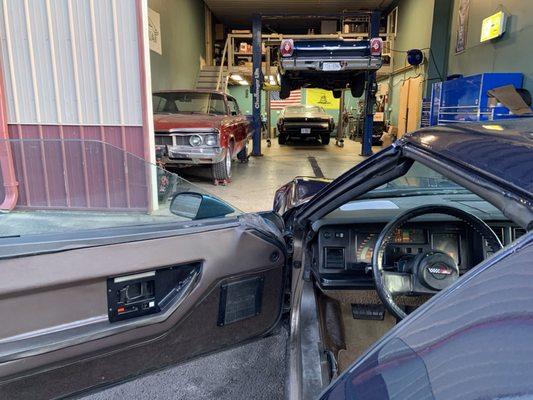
[{"x": 342, "y": 253}]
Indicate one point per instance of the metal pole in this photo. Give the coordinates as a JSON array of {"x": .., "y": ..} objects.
[
  {"x": 257, "y": 81},
  {"x": 340, "y": 123},
  {"x": 268, "y": 110},
  {"x": 370, "y": 95}
]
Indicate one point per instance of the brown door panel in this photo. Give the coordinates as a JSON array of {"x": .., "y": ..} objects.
[{"x": 49, "y": 291}]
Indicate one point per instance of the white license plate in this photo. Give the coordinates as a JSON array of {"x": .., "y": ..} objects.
[
  {"x": 306, "y": 130},
  {"x": 331, "y": 66}
]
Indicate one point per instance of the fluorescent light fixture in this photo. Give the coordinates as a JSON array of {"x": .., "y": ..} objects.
[
  {"x": 236, "y": 77},
  {"x": 493, "y": 127},
  {"x": 243, "y": 83}
]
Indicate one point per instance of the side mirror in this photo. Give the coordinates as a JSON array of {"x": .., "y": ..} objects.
[
  {"x": 193, "y": 205},
  {"x": 234, "y": 113}
]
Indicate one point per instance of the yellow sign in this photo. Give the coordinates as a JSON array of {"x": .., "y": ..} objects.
[
  {"x": 321, "y": 98},
  {"x": 493, "y": 26}
]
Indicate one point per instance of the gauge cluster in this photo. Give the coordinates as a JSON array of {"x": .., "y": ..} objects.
[{"x": 344, "y": 252}]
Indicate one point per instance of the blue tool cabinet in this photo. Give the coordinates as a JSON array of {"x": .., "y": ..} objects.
[{"x": 466, "y": 98}]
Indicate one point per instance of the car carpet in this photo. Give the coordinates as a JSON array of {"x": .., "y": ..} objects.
[{"x": 359, "y": 335}]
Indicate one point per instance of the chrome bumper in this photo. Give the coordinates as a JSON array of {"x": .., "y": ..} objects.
[
  {"x": 317, "y": 64},
  {"x": 189, "y": 155}
]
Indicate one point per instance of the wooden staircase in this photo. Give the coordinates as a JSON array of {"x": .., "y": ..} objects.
[{"x": 208, "y": 78}]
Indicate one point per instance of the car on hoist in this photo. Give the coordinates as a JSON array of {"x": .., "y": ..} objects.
[
  {"x": 200, "y": 127},
  {"x": 332, "y": 64},
  {"x": 409, "y": 276}
]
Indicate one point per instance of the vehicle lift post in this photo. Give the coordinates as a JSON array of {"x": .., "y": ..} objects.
[
  {"x": 257, "y": 83},
  {"x": 370, "y": 94},
  {"x": 339, "y": 140}
]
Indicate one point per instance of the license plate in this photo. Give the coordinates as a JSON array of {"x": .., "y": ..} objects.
[
  {"x": 331, "y": 66},
  {"x": 306, "y": 130}
]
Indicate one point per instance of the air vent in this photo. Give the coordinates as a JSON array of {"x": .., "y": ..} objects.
[{"x": 334, "y": 258}]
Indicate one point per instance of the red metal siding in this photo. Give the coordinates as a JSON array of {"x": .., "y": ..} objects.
[{"x": 92, "y": 168}]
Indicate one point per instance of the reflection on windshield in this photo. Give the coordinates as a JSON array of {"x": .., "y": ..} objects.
[
  {"x": 188, "y": 102},
  {"x": 87, "y": 184},
  {"x": 418, "y": 181}
]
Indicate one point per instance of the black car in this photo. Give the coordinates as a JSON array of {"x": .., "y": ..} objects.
[
  {"x": 408, "y": 277},
  {"x": 304, "y": 122}
]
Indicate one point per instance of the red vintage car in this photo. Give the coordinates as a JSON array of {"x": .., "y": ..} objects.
[{"x": 198, "y": 127}]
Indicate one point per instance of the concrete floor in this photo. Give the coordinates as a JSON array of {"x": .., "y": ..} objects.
[
  {"x": 253, "y": 371},
  {"x": 255, "y": 183}
]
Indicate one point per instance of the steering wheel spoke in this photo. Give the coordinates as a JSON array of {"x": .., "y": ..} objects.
[{"x": 398, "y": 283}]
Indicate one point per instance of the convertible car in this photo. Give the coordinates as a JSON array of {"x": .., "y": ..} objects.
[{"x": 408, "y": 277}]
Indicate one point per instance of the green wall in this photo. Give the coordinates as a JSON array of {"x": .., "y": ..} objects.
[
  {"x": 415, "y": 23},
  {"x": 511, "y": 53},
  {"x": 182, "y": 41}
]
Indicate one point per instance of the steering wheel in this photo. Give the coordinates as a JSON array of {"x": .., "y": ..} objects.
[{"x": 425, "y": 273}]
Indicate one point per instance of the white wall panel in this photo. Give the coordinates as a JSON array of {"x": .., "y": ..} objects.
[
  {"x": 130, "y": 72},
  {"x": 66, "y": 81},
  {"x": 72, "y": 62},
  {"x": 41, "y": 60}
]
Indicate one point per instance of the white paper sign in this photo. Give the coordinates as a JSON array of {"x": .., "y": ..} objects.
[{"x": 154, "y": 31}]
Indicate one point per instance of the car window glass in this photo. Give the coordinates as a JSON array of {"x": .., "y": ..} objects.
[
  {"x": 87, "y": 184},
  {"x": 233, "y": 106},
  {"x": 188, "y": 103},
  {"x": 419, "y": 180}
]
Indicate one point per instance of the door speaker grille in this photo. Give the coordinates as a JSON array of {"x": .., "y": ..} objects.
[{"x": 240, "y": 300}]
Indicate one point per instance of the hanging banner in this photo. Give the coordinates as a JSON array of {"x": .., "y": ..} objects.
[
  {"x": 321, "y": 98},
  {"x": 154, "y": 31},
  {"x": 462, "y": 26}
]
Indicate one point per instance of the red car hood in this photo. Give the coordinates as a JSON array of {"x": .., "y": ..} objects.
[{"x": 164, "y": 122}]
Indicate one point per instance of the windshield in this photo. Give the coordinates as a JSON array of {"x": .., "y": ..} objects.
[
  {"x": 85, "y": 185},
  {"x": 188, "y": 103},
  {"x": 302, "y": 108},
  {"x": 418, "y": 181}
]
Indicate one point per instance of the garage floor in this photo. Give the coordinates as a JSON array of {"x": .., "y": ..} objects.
[
  {"x": 254, "y": 183},
  {"x": 253, "y": 371}
]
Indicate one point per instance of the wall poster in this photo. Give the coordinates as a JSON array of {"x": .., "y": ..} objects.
[{"x": 462, "y": 26}]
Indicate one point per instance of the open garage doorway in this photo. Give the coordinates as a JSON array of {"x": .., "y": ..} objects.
[{"x": 203, "y": 83}]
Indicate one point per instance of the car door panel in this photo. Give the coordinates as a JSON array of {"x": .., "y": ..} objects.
[{"x": 59, "y": 340}]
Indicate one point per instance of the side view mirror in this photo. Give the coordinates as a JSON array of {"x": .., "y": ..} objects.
[
  {"x": 193, "y": 205},
  {"x": 234, "y": 113}
]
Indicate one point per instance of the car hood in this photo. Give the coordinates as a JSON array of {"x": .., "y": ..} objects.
[{"x": 164, "y": 122}]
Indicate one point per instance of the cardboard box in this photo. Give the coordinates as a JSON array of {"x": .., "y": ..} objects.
[{"x": 328, "y": 26}]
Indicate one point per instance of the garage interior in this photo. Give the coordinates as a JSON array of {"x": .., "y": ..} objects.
[
  {"x": 220, "y": 31},
  {"x": 441, "y": 64},
  {"x": 197, "y": 37}
]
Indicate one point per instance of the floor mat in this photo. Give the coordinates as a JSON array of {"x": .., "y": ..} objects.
[
  {"x": 359, "y": 335},
  {"x": 256, "y": 370}
]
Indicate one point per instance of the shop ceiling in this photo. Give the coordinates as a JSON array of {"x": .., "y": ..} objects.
[{"x": 237, "y": 14}]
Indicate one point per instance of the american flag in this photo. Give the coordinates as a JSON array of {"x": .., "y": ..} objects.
[{"x": 277, "y": 104}]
